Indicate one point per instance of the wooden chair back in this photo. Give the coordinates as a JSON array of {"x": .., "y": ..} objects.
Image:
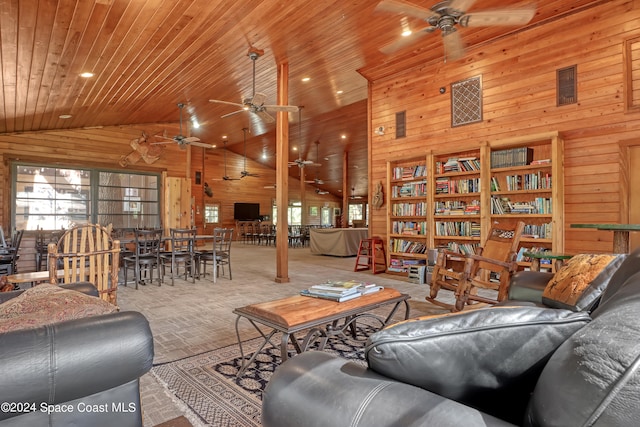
[
  {"x": 501, "y": 244},
  {"x": 87, "y": 253}
]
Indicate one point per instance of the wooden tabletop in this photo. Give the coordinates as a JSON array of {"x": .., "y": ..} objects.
[
  {"x": 614, "y": 227},
  {"x": 298, "y": 310}
]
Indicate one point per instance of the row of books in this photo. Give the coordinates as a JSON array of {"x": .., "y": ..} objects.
[
  {"x": 409, "y": 209},
  {"x": 542, "y": 231},
  {"x": 409, "y": 172},
  {"x": 530, "y": 181},
  {"x": 340, "y": 290},
  {"x": 410, "y": 189},
  {"x": 457, "y": 207},
  {"x": 399, "y": 265},
  {"x": 503, "y": 205},
  {"x": 463, "y": 248},
  {"x": 458, "y": 228},
  {"x": 520, "y": 156},
  {"x": 407, "y": 246},
  {"x": 409, "y": 227},
  {"x": 457, "y": 186},
  {"x": 461, "y": 164}
]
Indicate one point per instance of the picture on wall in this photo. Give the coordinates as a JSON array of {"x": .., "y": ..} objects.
[
  {"x": 313, "y": 211},
  {"x": 336, "y": 211}
]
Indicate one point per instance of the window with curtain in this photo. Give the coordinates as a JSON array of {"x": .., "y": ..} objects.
[{"x": 53, "y": 197}]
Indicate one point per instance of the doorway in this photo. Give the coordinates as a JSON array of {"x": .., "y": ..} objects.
[{"x": 634, "y": 194}]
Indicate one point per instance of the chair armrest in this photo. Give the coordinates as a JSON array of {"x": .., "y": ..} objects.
[
  {"x": 316, "y": 389},
  {"x": 528, "y": 286},
  {"x": 68, "y": 360},
  {"x": 508, "y": 265}
]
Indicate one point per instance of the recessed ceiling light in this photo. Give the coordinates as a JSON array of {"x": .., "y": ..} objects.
[
  {"x": 306, "y": 79},
  {"x": 65, "y": 116},
  {"x": 264, "y": 156},
  {"x": 343, "y": 136},
  {"x": 339, "y": 92},
  {"x": 295, "y": 148},
  {"x": 86, "y": 75},
  {"x": 224, "y": 136}
]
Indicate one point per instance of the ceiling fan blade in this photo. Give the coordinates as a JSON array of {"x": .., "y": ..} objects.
[
  {"x": 232, "y": 113},
  {"x": 461, "y": 5},
  {"x": 403, "y": 42},
  {"x": 217, "y": 101},
  {"x": 287, "y": 108},
  {"x": 201, "y": 144},
  {"x": 453, "y": 47},
  {"x": 404, "y": 7},
  {"x": 258, "y": 99},
  {"x": 162, "y": 142},
  {"x": 266, "y": 117},
  {"x": 190, "y": 139},
  {"x": 504, "y": 17}
]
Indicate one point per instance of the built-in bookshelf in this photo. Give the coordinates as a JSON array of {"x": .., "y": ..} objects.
[
  {"x": 407, "y": 214},
  {"x": 456, "y": 200},
  {"x": 526, "y": 184},
  {"x": 452, "y": 199}
]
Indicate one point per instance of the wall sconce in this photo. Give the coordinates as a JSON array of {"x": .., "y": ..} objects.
[{"x": 379, "y": 130}]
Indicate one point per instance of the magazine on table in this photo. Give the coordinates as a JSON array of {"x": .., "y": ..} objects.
[
  {"x": 331, "y": 297},
  {"x": 341, "y": 290}
]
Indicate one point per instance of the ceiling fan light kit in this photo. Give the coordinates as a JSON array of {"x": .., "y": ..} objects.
[
  {"x": 446, "y": 16},
  {"x": 181, "y": 140}
]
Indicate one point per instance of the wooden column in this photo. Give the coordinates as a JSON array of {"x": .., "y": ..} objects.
[
  {"x": 303, "y": 197},
  {"x": 346, "y": 191},
  {"x": 282, "y": 177}
]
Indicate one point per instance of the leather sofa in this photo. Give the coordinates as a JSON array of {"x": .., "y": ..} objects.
[
  {"x": 82, "y": 372},
  {"x": 443, "y": 372}
]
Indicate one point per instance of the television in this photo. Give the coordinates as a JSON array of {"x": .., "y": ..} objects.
[{"x": 246, "y": 211}]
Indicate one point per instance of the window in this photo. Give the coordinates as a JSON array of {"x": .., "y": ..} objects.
[
  {"x": 212, "y": 213},
  {"x": 356, "y": 212},
  {"x": 294, "y": 213},
  {"x": 56, "y": 197},
  {"x": 325, "y": 217}
]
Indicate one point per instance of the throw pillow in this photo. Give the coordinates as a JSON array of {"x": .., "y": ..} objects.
[
  {"x": 482, "y": 357},
  {"x": 579, "y": 283},
  {"x": 47, "y": 304}
]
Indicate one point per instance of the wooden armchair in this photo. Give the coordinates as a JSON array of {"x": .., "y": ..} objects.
[
  {"x": 87, "y": 253},
  {"x": 465, "y": 274}
]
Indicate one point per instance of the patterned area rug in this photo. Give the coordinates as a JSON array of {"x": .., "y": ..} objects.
[{"x": 206, "y": 384}]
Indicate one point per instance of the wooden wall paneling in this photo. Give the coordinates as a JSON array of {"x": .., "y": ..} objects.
[{"x": 519, "y": 99}]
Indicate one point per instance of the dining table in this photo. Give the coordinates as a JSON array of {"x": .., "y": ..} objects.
[{"x": 620, "y": 234}]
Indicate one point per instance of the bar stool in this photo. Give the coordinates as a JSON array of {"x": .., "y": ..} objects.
[{"x": 371, "y": 255}]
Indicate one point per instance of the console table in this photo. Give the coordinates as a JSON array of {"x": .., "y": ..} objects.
[
  {"x": 336, "y": 241},
  {"x": 620, "y": 234}
]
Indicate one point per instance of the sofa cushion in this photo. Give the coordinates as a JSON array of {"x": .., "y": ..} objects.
[
  {"x": 593, "y": 379},
  {"x": 47, "y": 304},
  {"x": 578, "y": 284},
  {"x": 480, "y": 357}
]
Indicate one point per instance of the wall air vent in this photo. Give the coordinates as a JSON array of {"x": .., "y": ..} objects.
[
  {"x": 401, "y": 124},
  {"x": 466, "y": 101},
  {"x": 566, "y": 86}
]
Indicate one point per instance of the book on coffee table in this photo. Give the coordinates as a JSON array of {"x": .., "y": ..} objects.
[{"x": 330, "y": 296}]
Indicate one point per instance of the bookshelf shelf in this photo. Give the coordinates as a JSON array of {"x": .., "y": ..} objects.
[{"x": 407, "y": 210}]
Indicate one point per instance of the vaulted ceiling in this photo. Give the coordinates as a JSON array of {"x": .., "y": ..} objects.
[{"x": 149, "y": 55}]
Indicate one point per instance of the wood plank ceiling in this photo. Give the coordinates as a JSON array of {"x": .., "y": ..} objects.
[{"x": 149, "y": 55}]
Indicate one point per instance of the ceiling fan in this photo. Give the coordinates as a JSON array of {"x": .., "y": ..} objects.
[
  {"x": 255, "y": 104},
  {"x": 299, "y": 161},
  {"x": 319, "y": 191},
  {"x": 353, "y": 195},
  {"x": 181, "y": 140},
  {"x": 316, "y": 180},
  {"x": 245, "y": 172},
  {"x": 225, "y": 176},
  {"x": 445, "y": 16}
]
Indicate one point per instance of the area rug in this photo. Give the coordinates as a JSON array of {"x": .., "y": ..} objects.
[{"x": 206, "y": 384}]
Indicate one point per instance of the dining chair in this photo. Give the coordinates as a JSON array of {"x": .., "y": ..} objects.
[
  {"x": 182, "y": 254},
  {"x": 145, "y": 257},
  {"x": 43, "y": 238},
  {"x": 220, "y": 255}
]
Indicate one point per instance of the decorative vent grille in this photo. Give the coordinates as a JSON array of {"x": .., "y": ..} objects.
[
  {"x": 632, "y": 73},
  {"x": 466, "y": 101},
  {"x": 566, "y": 86},
  {"x": 401, "y": 124}
]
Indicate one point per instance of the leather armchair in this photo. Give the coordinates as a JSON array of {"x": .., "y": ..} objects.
[
  {"x": 587, "y": 377},
  {"x": 81, "y": 372}
]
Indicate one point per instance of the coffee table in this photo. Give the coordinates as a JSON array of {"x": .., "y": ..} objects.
[{"x": 322, "y": 318}]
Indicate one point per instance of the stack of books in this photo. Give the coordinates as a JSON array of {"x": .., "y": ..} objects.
[{"x": 340, "y": 290}]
